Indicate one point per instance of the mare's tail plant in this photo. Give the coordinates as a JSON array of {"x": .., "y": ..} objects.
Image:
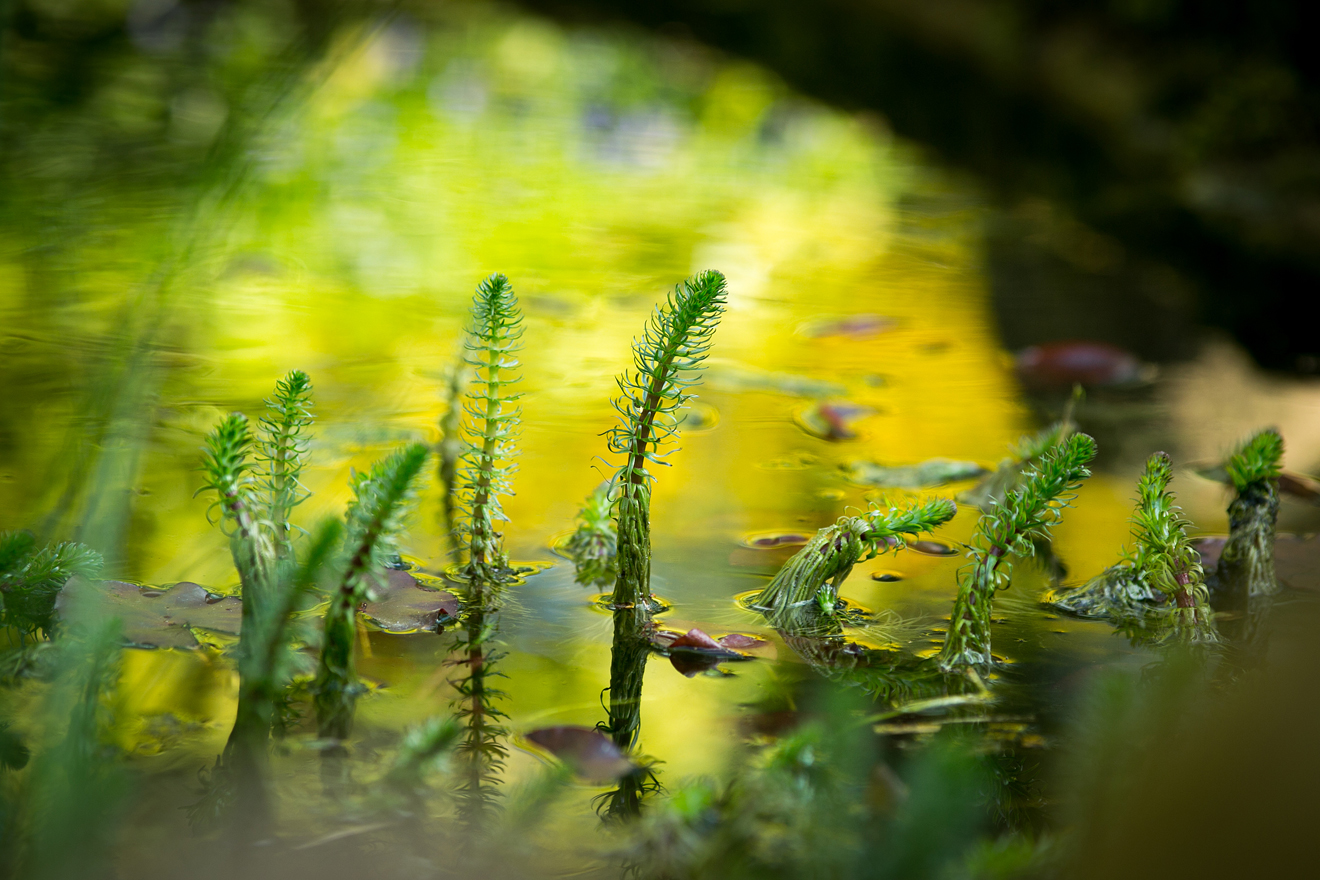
[
  {"x": 667, "y": 362},
  {"x": 1246, "y": 566},
  {"x": 806, "y": 589},
  {"x": 491, "y": 426},
  {"x": 282, "y": 450},
  {"x": 31, "y": 578},
  {"x": 1025, "y": 515},
  {"x": 451, "y": 444},
  {"x": 592, "y": 546},
  {"x": 381, "y": 500},
  {"x": 1160, "y": 572},
  {"x": 481, "y": 750}
]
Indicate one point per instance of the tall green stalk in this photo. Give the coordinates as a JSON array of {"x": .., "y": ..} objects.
[
  {"x": 491, "y": 427},
  {"x": 1025, "y": 515},
  {"x": 629, "y": 651},
  {"x": 382, "y": 497},
  {"x": 1246, "y": 566},
  {"x": 806, "y": 589},
  {"x": 667, "y": 362}
]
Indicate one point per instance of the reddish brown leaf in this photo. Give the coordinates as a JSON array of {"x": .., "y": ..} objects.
[
  {"x": 740, "y": 642},
  {"x": 590, "y": 753},
  {"x": 695, "y": 638}
]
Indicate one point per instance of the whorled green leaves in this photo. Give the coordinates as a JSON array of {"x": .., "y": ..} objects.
[
  {"x": 1025, "y": 515},
  {"x": 490, "y": 427},
  {"x": 667, "y": 362},
  {"x": 807, "y": 587}
]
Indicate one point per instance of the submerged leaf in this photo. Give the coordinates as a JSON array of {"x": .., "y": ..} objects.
[
  {"x": 404, "y": 604},
  {"x": 832, "y": 419},
  {"x": 1060, "y": 365},
  {"x": 590, "y": 753}
]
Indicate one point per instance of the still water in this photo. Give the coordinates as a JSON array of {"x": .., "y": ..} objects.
[{"x": 596, "y": 171}]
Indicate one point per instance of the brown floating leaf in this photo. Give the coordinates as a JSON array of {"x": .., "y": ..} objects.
[
  {"x": 1059, "y": 365},
  {"x": 851, "y": 327},
  {"x": 695, "y": 638},
  {"x": 740, "y": 642},
  {"x": 767, "y": 542},
  {"x": 404, "y": 604},
  {"x": 590, "y": 753},
  {"x": 160, "y": 616},
  {"x": 832, "y": 419},
  {"x": 932, "y": 548}
]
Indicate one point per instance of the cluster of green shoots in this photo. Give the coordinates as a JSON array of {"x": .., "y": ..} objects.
[
  {"x": 667, "y": 361},
  {"x": 1246, "y": 566},
  {"x": 256, "y": 483}
]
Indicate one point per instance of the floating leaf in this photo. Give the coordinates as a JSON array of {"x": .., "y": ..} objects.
[
  {"x": 932, "y": 472},
  {"x": 404, "y": 604},
  {"x": 774, "y": 540},
  {"x": 1060, "y": 365},
  {"x": 739, "y": 377},
  {"x": 832, "y": 419},
  {"x": 851, "y": 327},
  {"x": 741, "y": 642},
  {"x": 932, "y": 548},
  {"x": 590, "y": 753},
  {"x": 160, "y": 617}
]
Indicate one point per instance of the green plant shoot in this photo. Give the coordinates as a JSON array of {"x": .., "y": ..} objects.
[
  {"x": 808, "y": 584},
  {"x": 282, "y": 449},
  {"x": 31, "y": 580},
  {"x": 381, "y": 500},
  {"x": 1246, "y": 567},
  {"x": 667, "y": 361},
  {"x": 592, "y": 546},
  {"x": 491, "y": 426},
  {"x": 1025, "y": 515}
]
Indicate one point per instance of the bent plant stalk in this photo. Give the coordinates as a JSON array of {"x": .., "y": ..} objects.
[
  {"x": 1246, "y": 566},
  {"x": 805, "y": 591},
  {"x": 1026, "y": 515},
  {"x": 667, "y": 361},
  {"x": 491, "y": 427},
  {"x": 374, "y": 518}
]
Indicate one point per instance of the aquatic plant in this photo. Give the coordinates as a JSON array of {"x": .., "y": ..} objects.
[
  {"x": 630, "y": 648},
  {"x": 31, "y": 579},
  {"x": 481, "y": 750},
  {"x": 1026, "y": 514},
  {"x": 450, "y": 448},
  {"x": 592, "y": 546},
  {"x": 282, "y": 450},
  {"x": 491, "y": 425},
  {"x": 1246, "y": 565},
  {"x": 807, "y": 587},
  {"x": 667, "y": 361},
  {"x": 1160, "y": 566},
  {"x": 381, "y": 500}
]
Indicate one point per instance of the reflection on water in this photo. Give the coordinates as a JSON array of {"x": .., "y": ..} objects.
[{"x": 596, "y": 172}]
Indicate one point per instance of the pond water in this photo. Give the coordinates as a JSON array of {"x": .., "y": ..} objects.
[{"x": 596, "y": 171}]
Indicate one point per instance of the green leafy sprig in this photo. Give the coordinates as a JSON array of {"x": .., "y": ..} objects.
[
  {"x": 381, "y": 500},
  {"x": 1246, "y": 565},
  {"x": 667, "y": 362},
  {"x": 229, "y": 471},
  {"x": 1010, "y": 529},
  {"x": 809, "y": 582},
  {"x": 282, "y": 451},
  {"x": 592, "y": 546},
  {"x": 31, "y": 580},
  {"x": 491, "y": 426}
]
